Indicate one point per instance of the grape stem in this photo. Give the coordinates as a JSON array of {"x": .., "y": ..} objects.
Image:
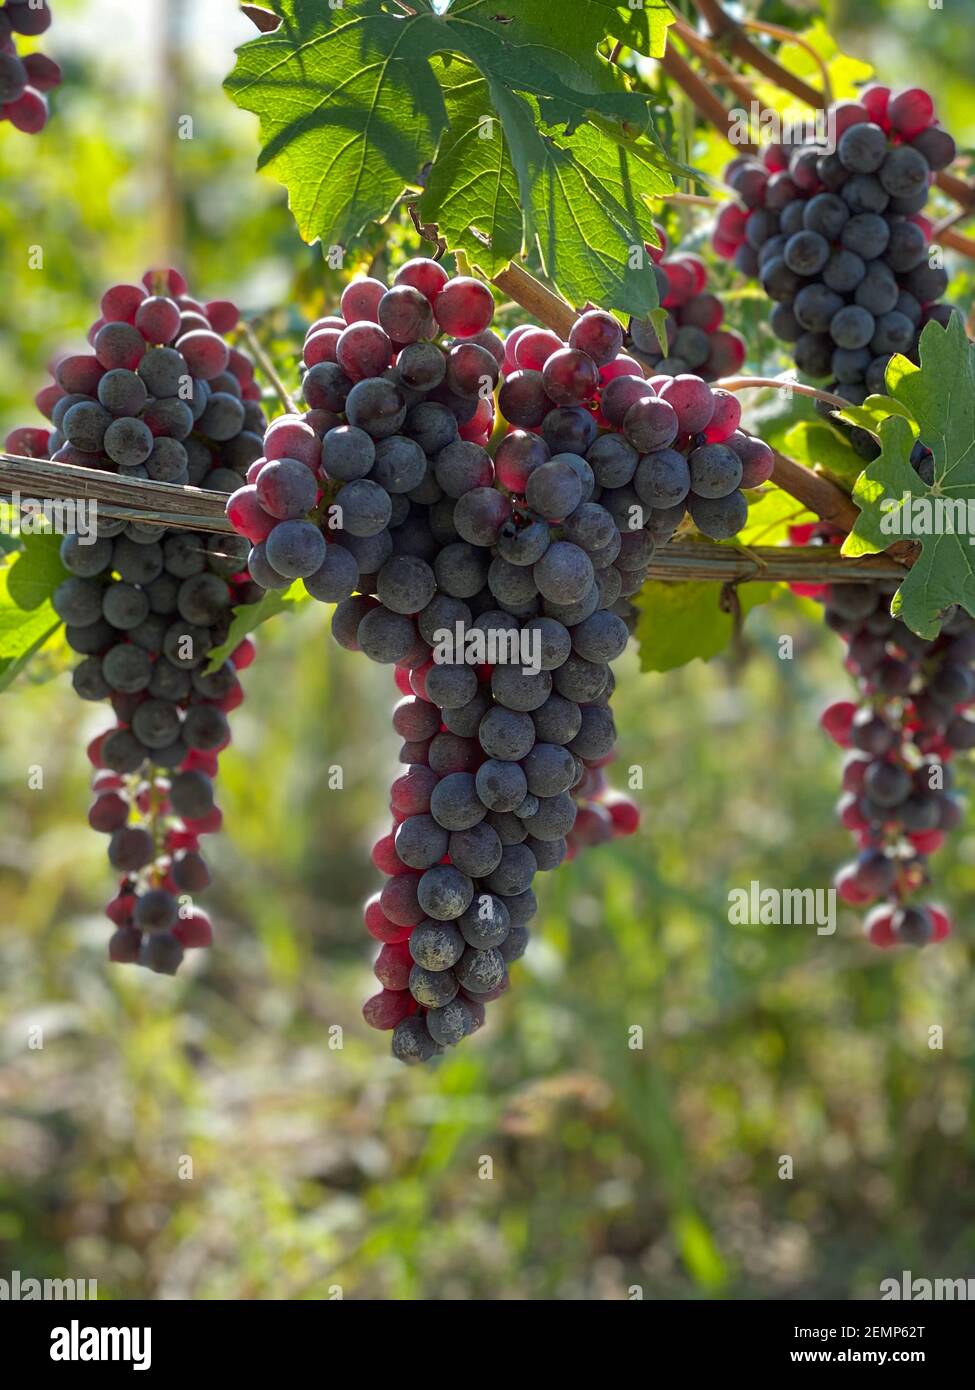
[
  {"x": 743, "y": 383},
  {"x": 694, "y": 200},
  {"x": 716, "y": 65},
  {"x": 268, "y": 368},
  {"x": 784, "y": 36},
  {"x": 710, "y": 105},
  {"x": 955, "y": 241},
  {"x": 731, "y": 36},
  {"x": 545, "y": 307}
]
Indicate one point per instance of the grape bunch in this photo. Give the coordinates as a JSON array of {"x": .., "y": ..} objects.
[
  {"x": 915, "y": 711},
  {"x": 838, "y": 240},
  {"x": 671, "y": 445},
  {"x": 498, "y": 586},
  {"x": 24, "y": 79},
  {"x": 467, "y": 951},
  {"x": 160, "y": 395},
  {"x": 144, "y": 605},
  {"x": 696, "y": 342}
]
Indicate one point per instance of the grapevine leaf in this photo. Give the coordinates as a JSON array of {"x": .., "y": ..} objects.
[
  {"x": 643, "y": 28},
  {"x": 349, "y": 111},
  {"x": 770, "y": 518},
  {"x": 630, "y": 172},
  {"x": 354, "y": 103},
  {"x": 896, "y": 504},
  {"x": 898, "y": 368},
  {"x": 658, "y": 319},
  {"x": 250, "y": 616},
  {"x": 544, "y": 72},
  {"x": 27, "y": 619},
  {"x": 682, "y": 622},
  {"x": 472, "y": 189},
  {"x": 816, "y": 444},
  {"x": 586, "y": 238},
  {"x": 874, "y": 411},
  {"x": 12, "y": 666}
]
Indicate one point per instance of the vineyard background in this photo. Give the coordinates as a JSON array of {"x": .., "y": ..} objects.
[{"x": 312, "y": 1167}]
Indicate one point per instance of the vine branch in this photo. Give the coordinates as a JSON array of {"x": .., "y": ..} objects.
[
  {"x": 29, "y": 481},
  {"x": 784, "y": 35},
  {"x": 724, "y": 29},
  {"x": 134, "y": 499},
  {"x": 716, "y": 65},
  {"x": 775, "y": 383},
  {"x": 707, "y": 102}
]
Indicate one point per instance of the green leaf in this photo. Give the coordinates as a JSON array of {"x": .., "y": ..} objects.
[
  {"x": 251, "y": 615},
  {"x": 535, "y": 21},
  {"x": 349, "y": 110},
  {"x": 875, "y": 409},
  {"x": 896, "y": 504},
  {"x": 472, "y": 189},
  {"x": 586, "y": 237},
  {"x": 27, "y": 619},
  {"x": 659, "y": 319},
  {"x": 630, "y": 172},
  {"x": 354, "y": 102},
  {"x": 682, "y": 622},
  {"x": 770, "y": 518},
  {"x": 814, "y": 443},
  {"x": 898, "y": 368}
]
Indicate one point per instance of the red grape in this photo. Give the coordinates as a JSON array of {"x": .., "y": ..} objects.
[
  {"x": 320, "y": 347},
  {"x": 119, "y": 304},
  {"x": 692, "y": 399},
  {"x": 363, "y": 350},
  {"x": 360, "y": 300},
  {"x": 429, "y": 277},
  {"x": 293, "y": 438},
  {"x": 910, "y": 112},
  {"x": 119, "y": 345},
  {"x": 206, "y": 353},
  {"x": 385, "y": 1010},
  {"x": 724, "y": 421},
  {"x": 464, "y": 307},
  {"x": 224, "y": 315},
  {"x": 597, "y": 334},
  {"x": 471, "y": 370},
  {"x": 535, "y": 347},
  {"x": 158, "y": 319},
  {"x": 29, "y": 112},
  {"x": 157, "y": 280},
  {"x": 80, "y": 374},
  {"x": 523, "y": 400},
  {"x": 405, "y": 314}
]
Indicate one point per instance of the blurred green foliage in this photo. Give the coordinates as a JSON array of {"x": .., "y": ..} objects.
[{"x": 205, "y": 1136}]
